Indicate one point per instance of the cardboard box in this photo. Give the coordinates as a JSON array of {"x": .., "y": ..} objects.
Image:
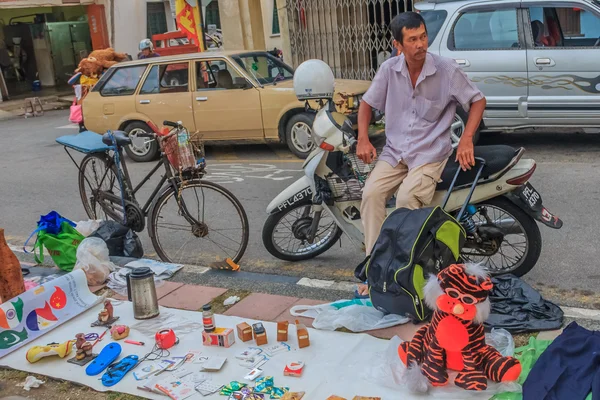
[
  {"x": 221, "y": 337},
  {"x": 282, "y": 331},
  {"x": 260, "y": 334},
  {"x": 302, "y": 333},
  {"x": 244, "y": 332}
]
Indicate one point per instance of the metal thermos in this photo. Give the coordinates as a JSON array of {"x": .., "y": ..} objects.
[{"x": 142, "y": 293}]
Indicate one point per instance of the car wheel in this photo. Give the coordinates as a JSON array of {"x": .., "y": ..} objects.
[
  {"x": 458, "y": 127},
  {"x": 141, "y": 149},
  {"x": 298, "y": 134}
]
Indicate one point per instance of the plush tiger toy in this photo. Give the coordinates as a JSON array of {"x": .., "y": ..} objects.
[{"x": 455, "y": 337}]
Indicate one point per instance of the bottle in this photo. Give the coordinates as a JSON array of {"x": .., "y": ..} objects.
[
  {"x": 186, "y": 153},
  {"x": 208, "y": 318},
  {"x": 11, "y": 277}
]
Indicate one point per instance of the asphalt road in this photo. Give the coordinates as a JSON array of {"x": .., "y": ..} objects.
[{"x": 36, "y": 176}]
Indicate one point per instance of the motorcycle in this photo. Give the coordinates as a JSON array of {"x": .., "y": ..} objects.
[{"x": 494, "y": 202}]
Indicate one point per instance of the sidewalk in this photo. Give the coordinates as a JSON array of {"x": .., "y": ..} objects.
[{"x": 16, "y": 108}]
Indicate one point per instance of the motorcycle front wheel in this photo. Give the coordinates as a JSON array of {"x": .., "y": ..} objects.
[
  {"x": 285, "y": 233},
  {"x": 511, "y": 240}
]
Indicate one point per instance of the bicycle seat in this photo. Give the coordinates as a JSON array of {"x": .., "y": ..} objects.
[
  {"x": 496, "y": 158},
  {"x": 120, "y": 137}
]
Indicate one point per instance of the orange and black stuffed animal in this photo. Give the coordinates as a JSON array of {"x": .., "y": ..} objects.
[{"x": 455, "y": 339}]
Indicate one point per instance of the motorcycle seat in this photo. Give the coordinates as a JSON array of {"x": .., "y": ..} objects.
[
  {"x": 497, "y": 157},
  {"x": 120, "y": 137}
]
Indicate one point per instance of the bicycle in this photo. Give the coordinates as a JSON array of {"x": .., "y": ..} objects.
[{"x": 111, "y": 194}]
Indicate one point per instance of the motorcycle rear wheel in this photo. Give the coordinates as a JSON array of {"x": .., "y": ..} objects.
[
  {"x": 290, "y": 224},
  {"x": 520, "y": 256}
]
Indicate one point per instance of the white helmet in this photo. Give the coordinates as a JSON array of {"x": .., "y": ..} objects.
[
  {"x": 313, "y": 79},
  {"x": 146, "y": 44}
]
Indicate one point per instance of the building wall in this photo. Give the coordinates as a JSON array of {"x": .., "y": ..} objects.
[
  {"x": 271, "y": 40},
  {"x": 247, "y": 25},
  {"x": 127, "y": 35}
]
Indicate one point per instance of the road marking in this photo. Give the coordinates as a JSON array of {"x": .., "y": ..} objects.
[
  {"x": 69, "y": 126},
  {"x": 237, "y": 172}
]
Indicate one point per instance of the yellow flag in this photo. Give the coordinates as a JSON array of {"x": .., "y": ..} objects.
[{"x": 188, "y": 21}]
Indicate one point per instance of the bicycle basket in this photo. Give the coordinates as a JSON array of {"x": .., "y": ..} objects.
[
  {"x": 348, "y": 181},
  {"x": 180, "y": 152}
]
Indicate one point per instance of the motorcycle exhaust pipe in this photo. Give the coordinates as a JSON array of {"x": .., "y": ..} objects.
[{"x": 508, "y": 226}]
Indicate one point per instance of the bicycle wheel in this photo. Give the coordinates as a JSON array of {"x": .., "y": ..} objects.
[
  {"x": 220, "y": 229},
  {"x": 94, "y": 181}
]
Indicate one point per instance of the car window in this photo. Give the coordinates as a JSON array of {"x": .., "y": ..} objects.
[
  {"x": 434, "y": 19},
  {"x": 264, "y": 67},
  {"x": 123, "y": 81},
  {"x": 563, "y": 27},
  {"x": 486, "y": 30},
  {"x": 167, "y": 78},
  {"x": 218, "y": 75}
]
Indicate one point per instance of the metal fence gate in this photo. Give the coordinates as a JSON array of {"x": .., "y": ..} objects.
[{"x": 352, "y": 36}]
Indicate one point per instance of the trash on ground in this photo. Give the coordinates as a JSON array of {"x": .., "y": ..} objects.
[
  {"x": 31, "y": 382},
  {"x": 231, "y": 300}
]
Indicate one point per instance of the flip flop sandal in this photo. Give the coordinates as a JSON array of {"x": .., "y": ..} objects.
[
  {"x": 107, "y": 356},
  {"x": 116, "y": 372}
]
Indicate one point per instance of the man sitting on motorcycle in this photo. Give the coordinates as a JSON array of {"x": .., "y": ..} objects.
[{"x": 419, "y": 92}]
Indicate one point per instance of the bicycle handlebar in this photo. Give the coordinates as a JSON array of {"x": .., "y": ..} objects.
[{"x": 171, "y": 124}]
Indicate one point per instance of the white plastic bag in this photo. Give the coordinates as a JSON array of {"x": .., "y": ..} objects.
[
  {"x": 86, "y": 228},
  {"x": 356, "y": 315},
  {"x": 31, "y": 382},
  {"x": 501, "y": 340},
  {"x": 93, "y": 259}
]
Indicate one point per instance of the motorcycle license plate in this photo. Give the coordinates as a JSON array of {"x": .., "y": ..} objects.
[{"x": 531, "y": 197}]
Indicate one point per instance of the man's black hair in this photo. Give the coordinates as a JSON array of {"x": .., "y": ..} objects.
[{"x": 408, "y": 20}]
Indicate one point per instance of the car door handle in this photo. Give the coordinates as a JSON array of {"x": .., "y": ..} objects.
[
  {"x": 201, "y": 98},
  {"x": 544, "y": 61},
  {"x": 463, "y": 62},
  {"x": 144, "y": 101}
]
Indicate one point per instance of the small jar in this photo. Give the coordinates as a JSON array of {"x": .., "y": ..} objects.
[{"x": 208, "y": 318}]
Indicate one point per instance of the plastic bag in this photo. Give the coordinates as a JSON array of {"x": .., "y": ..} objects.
[
  {"x": 357, "y": 315},
  {"x": 86, "y": 228},
  {"x": 501, "y": 340},
  {"x": 92, "y": 258},
  {"x": 31, "y": 382},
  {"x": 121, "y": 240}
]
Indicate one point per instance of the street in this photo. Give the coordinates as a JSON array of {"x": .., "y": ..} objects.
[{"x": 37, "y": 176}]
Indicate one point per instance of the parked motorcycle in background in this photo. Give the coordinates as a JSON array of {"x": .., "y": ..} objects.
[{"x": 309, "y": 216}]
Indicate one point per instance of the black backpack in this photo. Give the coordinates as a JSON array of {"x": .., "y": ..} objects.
[{"x": 411, "y": 245}]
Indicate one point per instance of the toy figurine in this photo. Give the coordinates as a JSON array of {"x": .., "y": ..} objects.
[
  {"x": 84, "y": 348},
  {"x": 119, "y": 332},
  {"x": 83, "y": 353},
  {"x": 105, "y": 317},
  {"x": 455, "y": 339}
]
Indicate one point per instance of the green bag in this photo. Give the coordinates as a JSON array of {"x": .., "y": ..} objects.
[{"x": 62, "y": 246}]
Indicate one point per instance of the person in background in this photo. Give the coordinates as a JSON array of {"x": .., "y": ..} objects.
[
  {"x": 419, "y": 92},
  {"x": 147, "y": 50}
]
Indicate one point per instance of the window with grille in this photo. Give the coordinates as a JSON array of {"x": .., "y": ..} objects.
[
  {"x": 275, "y": 29},
  {"x": 156, "y": 19},
  {"x": 212, "y": 14}
]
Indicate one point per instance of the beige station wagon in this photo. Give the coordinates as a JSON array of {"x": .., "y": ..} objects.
[{"x": 233, "y": 97}]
